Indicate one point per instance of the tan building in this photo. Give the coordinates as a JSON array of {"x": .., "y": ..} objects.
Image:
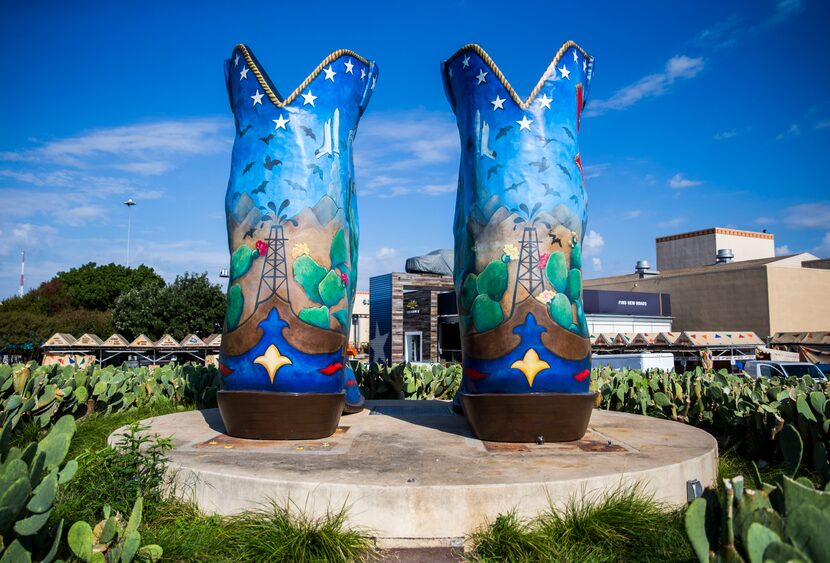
[
  {"x": 700, "y": 248},
  {"x": 359, "y": 331},
  {"x": 767, "y": 295}
]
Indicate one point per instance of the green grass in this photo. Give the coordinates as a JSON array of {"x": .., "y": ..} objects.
[
  {"x": 625, "y": 525},
  {"x": 284, "y": 533},
  {"x": 273, "y": 533}
]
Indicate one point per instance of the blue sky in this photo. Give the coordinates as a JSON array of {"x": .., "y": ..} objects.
[{"x": 700, "y": 114}]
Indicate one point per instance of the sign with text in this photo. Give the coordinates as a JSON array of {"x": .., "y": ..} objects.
[{"x": 602, "y": 302}]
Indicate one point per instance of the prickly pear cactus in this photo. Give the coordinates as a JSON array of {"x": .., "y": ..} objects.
[
  {"x": 29, "y": 481},
  {"x": 111, "y": 540}
]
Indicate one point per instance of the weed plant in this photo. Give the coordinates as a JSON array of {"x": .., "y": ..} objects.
[{"x": 624, "y": 525}]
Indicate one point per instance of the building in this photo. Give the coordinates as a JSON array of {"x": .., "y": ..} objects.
[
  {"x": 763, "y": 295},
  {"x": 701, "y": 248},
  {"x": 359, "y": 331},
  {"x": 403, "y": 316}
]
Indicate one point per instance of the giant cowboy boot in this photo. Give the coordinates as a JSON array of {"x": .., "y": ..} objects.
[
  {"x": 519, "y": 221},
  {"x": 292, "y": 233}
]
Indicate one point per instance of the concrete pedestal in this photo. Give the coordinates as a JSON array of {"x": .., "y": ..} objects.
[{"x": 413, "y": 474}]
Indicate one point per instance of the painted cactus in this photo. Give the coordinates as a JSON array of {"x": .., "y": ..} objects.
[
  {"x": 292, "y": 227},
  {"x": 520, "y": 217}
]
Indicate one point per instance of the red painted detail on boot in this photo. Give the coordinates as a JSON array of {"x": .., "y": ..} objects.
[
  {"x": 581, "y": 376},
  {"x": 474, "y": 373},
  {"x": 331, "y": 369}
]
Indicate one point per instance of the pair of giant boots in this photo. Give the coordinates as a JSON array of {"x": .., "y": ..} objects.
[{"x": 293, "y": 236}]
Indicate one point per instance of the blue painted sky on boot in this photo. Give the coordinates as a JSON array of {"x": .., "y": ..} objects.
[{"x": 700, "y": 114}]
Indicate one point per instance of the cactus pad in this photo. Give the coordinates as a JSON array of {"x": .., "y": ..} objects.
[
  {"x": 560, "y": 310},
  {"x": 557, "y": 271},
  {"x": 241, "y": 261},
  {"x": 317, "y": 316},
  {"x": 574, "y": 289},
  {"x": 331, "y": 289},
  {"x": 469, "y": 292},
  {"x": 492, "y": 282},
  {"x": 309, "y": 274},
  {"x": 339, "y": 253},
  {"x": 487, "y": 314},
  {"x": 235, "y": 303},
  {"x": 576, "y": 256}
]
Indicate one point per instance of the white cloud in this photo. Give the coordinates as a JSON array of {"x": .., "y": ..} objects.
[
  {"x": 197, "y": 136},
  {"x": 808, "y": 216},
  {"x": 595, "y": 170},
  {"x": 593, "y": 243},
  {"x": 764, "y": 220},
  {"x": 782, "y": 250},
  {"x": 374, "y": 263},
  {"x": 733, "y": 29},
  {"x": 438, "y": 189},
  {"x": 597, "y": 264},
  {"x": 821, "y": 124},
  {"x": 722, "y": 135},
  {"x": 411, "y": 152},
  {"x": 148, "y": 168},
  {"x": 385, "y": 253},
  {"x": 792, "y": 131},
  {"x": 16, "y": 237},
  {"x": 633, "y": 214},
  {"x": 679, "y": 181},
  {"x": 679, "y": 67}
]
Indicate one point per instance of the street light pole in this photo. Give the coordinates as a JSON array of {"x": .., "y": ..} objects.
[{"x": 129, "y": 203}]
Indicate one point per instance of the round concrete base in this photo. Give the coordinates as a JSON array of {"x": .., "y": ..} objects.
[{"x": 412, "y": 473}]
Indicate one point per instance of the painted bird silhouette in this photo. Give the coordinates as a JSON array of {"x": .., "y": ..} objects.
[
  {"x": 574, "y": 199},
  {"x": 564, "y": 170},
  {"x": 494, "y": 170},
  {"x": 555, "y": 239},
  {"x": 261, "y": 188},
  {"x": 235, "y": 197},
  {"x": 551, "y": 191},
  {"x": 245, "y": 130},
  {"x": 541, "y": 165},
  {"x": 308, "y": 132},
  {"x": 267, "y": 138},
  {"x": 315, "y": 170},
  {"x": 247, "y": 167},
  {"x": 514, "y": 186},
  {"x": 249, "y": 233},
  {"x": 503, "y": 131},
  {"x": 295, "y": 186},
  {"x": 545, "y": 140},
  {"x": 568, "y": 133},
  {"x": 270, "y": 163}
]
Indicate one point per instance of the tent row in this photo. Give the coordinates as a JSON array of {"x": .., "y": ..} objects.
[
  {"x": 690, "y": 339},
  {"x": 64, "y": 340},
  {"x": 801, "y": 338}
]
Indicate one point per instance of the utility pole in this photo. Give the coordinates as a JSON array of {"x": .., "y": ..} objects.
[
  {"x": 22, "y": 269},
  {"x": 129, "y": 203}
]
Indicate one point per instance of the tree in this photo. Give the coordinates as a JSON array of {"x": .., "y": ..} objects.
[
  {"x": 139, "y": 312},
  {"x": 97, "y": 287},
  {"x": 191, "y": 304}
]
